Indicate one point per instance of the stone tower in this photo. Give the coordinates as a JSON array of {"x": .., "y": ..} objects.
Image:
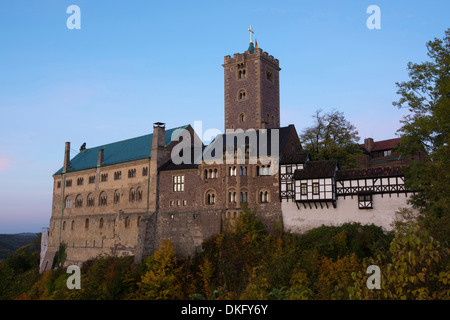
[{"x": 252, "y": 90}]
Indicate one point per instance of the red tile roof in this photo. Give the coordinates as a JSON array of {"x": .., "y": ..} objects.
[{"x": 384, "y": 144}]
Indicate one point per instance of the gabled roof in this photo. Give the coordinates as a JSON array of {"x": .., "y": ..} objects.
[
  {"x": 369, "y": 173},
  {"x": 317, "y": 169},
  {"x": 384, "y": 144},
  {"x": 117, "y": 152}
]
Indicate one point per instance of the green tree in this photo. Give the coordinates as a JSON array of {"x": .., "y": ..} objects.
[
  {"x": 427, "y": 97},
  {"x": 332, "y": 137}
]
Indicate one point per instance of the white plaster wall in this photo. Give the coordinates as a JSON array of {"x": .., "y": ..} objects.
[{"x": 299, "y": 220}]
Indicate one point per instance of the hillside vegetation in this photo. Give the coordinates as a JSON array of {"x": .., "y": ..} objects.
[
  {"x": 11, "y": 242},
  {"x": 250, "y": 263}
]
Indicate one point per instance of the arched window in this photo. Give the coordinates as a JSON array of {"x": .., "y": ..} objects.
[
  {"x": 127, "y": 222},
  {"x": 206, "y": 174},
  {"x": 86, "y": 224},
  {"x": 68, "y": 202},
  {"x": 243, "y": 196},
  {"x": 64, "y": 225},
  {"x": 242, "y": 117},
  {"x": 242, "y": 94},
  {"x": 132, "y": 196},
  {"x": 78, "y": 201},
  {"x": 72, "y": 225},
  {"x": 90, "y": 200},
  {"x": 232, "y": 197},
  {"x": 139, "y": 194},
  {"x": 139, "y": 219},
  {"x": 102, "y": 199},
  {"x": 116, "y": 196},
  {"x": 263, "y": 196},
  {"x": 210, "y": 198},
  {"x": 100, "y": 224}
]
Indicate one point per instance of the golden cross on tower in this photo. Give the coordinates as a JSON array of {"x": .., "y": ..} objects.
[{"x": 251, "y": 33}]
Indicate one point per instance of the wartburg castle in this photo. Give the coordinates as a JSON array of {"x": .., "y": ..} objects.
[{"x": 126, "y": 197}]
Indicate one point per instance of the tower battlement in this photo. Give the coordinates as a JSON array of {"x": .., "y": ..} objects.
[{"x": 247, "y": 55}]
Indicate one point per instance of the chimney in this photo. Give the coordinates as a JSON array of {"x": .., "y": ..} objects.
[
  {"x": 159, "y": 135},
  {"x": 157, "y": 155},
  {"x": 66, "y": 165},
  {"x": 100, "y": 158},
  {"x": 368, "y": 144}
]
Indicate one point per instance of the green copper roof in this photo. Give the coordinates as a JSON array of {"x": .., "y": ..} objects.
[
  {"x": 251, "y": 47},
  {"x": 117, "y": 152}
]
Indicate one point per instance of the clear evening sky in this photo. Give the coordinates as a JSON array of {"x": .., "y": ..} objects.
[{"x": 137, "y": 62}]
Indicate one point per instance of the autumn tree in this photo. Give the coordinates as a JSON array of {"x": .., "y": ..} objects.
[
  {"x": 161, "y": 280},
  {"x": 426, "y": 127},
  {"x": 417, "y": 268},
  {"x": 332, "y": 137}
]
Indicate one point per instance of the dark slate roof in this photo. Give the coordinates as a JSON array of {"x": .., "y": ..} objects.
[
  {"x": 117, "y": 152},
  {"x": 300, "y": 157},
  {"x": 317, "y": 169},
  {"x": 283, "y": 135},
  {"x": 378, "y": 172},
  {"x": 169, "y": 165}
]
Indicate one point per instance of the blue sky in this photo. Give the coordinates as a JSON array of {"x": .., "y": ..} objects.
[{"x": 134, "y": 62}]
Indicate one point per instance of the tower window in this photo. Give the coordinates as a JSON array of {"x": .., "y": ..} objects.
[
  {"x": 242, "y": 94},
  {"x": 242, "y": 117},
  {"x": 269, "y": 76},
  {"x": 241, "y": 71}
]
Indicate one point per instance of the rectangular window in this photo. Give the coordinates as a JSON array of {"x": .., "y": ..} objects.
[
  {"x": 104, "y": 177},
  {"x": 80, "y": 181},
  {"x": 315, "y": 188},
  {"x": 132, "y": 173},
  {"x": 178, "y": 183},
  {"x": 304, "y": 189},
  {"x": 92, "y": 179},
  {"x": 58, "y": 184},
  {"x": 289, "y": 187},
  {"x": 68, "y": 183},
  {"x": 288, "y": 169},
  {"x": 118, "y": 175},
  {"x": 365, "y": 201},
  {"x": 145, "y": 171}
]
